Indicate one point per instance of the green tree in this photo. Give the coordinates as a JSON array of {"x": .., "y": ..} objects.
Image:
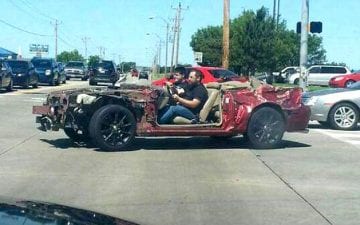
[
  {"x": 127, "y": 66},
  {"x": 66, "y": 56},
  {"x": 256, "y": 44},
  {"x": 93, "y": 59}
]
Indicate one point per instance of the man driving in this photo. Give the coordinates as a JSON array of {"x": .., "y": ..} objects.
[{"x": 191, "y": 102}]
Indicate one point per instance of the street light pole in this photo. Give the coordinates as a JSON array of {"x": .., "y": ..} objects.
[
  {"x": 166, "y": 41},
  {"x": 304, "y": 43}
]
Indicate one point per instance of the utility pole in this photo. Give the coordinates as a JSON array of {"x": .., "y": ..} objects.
[
  {"x": 304, "y": 43},
  {"x": 173, "y": 46},
  {"x": 226, "y": 31},
  {"x": 85, "y": 39},
  {"x": 56, "y": 35},
  {"x": 278, "y": 14},
  {"x": 177, "y": 32}
]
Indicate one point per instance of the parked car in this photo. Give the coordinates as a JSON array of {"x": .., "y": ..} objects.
[
  {"x": 320, "y": 74},
  {"x": 113, "y": 117},
  {"x": 283, "y": 75},
  {"x": 144, "y": 75},
  {"x": 24, "y": 73},
  {"x": 210, "y": 74},
  {"x": 338, "y": 108},
  {"x": 48, "y": 71},
  {"x": 76, "y": 69},
  {"x": 6, "y": 77},
  {"x": 344, "y": 80},
  {"x": 103, "y": 71}
]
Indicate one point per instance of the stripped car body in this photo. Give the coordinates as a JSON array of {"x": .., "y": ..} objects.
[{"x": 113, "y": 117}]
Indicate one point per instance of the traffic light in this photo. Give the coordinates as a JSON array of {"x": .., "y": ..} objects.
[{"x": 316, "y": 27}]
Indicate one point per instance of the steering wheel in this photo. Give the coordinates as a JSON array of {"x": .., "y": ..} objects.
[{"x": 171, "y": 90}]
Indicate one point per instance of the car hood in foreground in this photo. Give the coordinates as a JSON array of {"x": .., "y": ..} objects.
[{"x": 16, "y": 212}]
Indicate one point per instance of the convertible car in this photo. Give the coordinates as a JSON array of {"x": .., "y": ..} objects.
[{"x": 113, "y": 117}]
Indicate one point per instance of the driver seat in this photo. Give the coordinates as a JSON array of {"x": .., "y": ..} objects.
[{"x": 204, "y": 112}]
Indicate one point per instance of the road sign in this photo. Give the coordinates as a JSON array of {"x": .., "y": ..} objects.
[
  {"x": 198, "y": 56},
  {"x": 38, "y": 48}
]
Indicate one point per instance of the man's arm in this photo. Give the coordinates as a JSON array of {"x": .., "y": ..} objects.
[{"x": 187, "y": 103}]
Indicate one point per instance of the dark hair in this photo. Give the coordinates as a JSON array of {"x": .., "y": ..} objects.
[
  {"x": 198, "y": 74},
  {"x": 180, "y": 70}
]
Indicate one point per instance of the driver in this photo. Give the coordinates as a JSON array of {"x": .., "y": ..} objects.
[{"x": 190, "y": 104}]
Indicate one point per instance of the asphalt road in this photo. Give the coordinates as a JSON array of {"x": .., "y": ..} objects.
[{"x": 313, "y": 179}]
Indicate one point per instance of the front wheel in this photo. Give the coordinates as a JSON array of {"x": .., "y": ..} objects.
[
  {"x": 266, "y": 128},
  {"x": 113, "y": 128},
  {"x": 10, "y": 86},
  {"x": 344, "y": 116}
]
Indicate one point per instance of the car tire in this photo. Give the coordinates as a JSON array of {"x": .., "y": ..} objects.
[
  {"x": 296, "y": 81},
  {"x": 112, "y": 128},
  {"x": 266, "y": 128},
  {"x": 324, "y": 123},
  {"x": 10, "y": 87},
  {"x": 349, "y": 83},
  {"x": 344, "y": 116},
  {"x": 52, "y": 82},
  {"x": 36, "y": 83},
  {"x": 27, "y": 83}
]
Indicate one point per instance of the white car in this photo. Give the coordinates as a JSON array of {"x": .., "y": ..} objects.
[
  {"x": 283, "y": 75},
  {"x": 320, "y": 74}
]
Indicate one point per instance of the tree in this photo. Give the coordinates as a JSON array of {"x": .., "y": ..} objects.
[
  {"x": 256, "y": 44},
  {"x": 93, "y": 59},
  {"x": 127, "y": 66},
  {"x": 66, "y": 56}
]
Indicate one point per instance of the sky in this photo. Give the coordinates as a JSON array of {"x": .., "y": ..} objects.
[{"x": 124, "y": 29}]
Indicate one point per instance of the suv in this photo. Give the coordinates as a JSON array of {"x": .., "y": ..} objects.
[
  {"x": 6, "y": 77},
  {"x": 320, "y": 74},
  {"x": 24, "y": 73},
  {"x": 76, "y": 69},
  {"x": 48, "y": 71},
  {"x": 103, "y": 71}
]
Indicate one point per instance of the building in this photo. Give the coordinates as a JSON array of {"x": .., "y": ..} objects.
[{"x": 4, "y": 53}]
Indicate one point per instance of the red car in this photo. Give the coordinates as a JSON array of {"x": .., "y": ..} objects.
[
  {"x": 112, "y": 118},
  {"x": 210, "y": 74},
  {"x": 344, "y": 81}
]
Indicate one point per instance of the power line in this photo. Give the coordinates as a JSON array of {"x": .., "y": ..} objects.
[
  {"x": 23, "y": 30},
  {"x": 37, "y": 10}
]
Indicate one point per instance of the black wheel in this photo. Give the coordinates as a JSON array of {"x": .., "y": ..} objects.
[
  {"x": 35, "y": 85},
  {"x": 52, "y": 82},
  {"x": 64, "y": 81},
  {"x": 296, "y": 81},
  {"x": 10, "y": 86},
  {"x": 73, "y": 133},
  {"x": 349, "y": 83},
  {"x": 27, "y": 83},
  {"x": 344, "y": 116},
  {"x": 112, "y": 128},
  {"x": 266, "y": 128},
  {"x": 324, "y": 123}
]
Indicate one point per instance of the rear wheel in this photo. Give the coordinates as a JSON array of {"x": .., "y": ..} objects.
[
  {"x": 113, "y": 128},
  {"x": 349, "y": 83},
  {"x": 10, "y": 86},
  {"x": 324, "y": 123},
  {"x": 296, "y": 81},
  {"x": 266, "y": 128},
  {"x": 344, "y": 116}
]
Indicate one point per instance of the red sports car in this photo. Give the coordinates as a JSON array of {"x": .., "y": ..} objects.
[
  {"x": 210, "y": 74},
  {"x": 344, "y": 81},
  {"x": 112, "y": 118}
]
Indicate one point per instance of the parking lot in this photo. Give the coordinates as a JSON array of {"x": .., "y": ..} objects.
[{"x": 182, "y": 180}]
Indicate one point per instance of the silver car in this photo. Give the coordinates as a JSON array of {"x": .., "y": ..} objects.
[{"x": 337, "y": 107}]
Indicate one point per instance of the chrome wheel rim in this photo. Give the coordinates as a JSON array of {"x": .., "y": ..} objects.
[
  {"x": 345, "y": 117},
  {"x": 349, "y": 83}
]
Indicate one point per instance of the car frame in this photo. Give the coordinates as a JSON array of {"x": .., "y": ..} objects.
[
  {"x": 338, "y": 108},
  {"x": 111, "y": 117}
]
